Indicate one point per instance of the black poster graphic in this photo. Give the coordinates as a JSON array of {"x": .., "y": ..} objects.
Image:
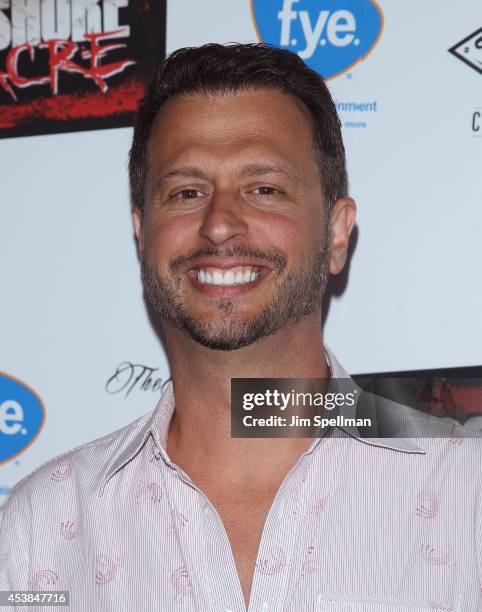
[{"x": 68, "y": 65}]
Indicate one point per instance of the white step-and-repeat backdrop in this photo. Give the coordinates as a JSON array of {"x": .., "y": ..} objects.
[{"x": 78, "y": 356}]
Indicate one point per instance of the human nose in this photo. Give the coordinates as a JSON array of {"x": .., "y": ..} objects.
[{"x": 223, "y": 218}]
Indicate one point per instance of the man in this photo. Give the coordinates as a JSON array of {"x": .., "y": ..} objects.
[{"x": 240, "y": 210}]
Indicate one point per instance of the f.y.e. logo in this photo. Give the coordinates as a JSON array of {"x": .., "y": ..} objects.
[
  {"x": 21, "y": 417},
  {"x": 329, "y": 35}
]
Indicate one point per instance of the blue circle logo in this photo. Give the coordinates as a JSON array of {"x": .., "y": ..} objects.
[
  {"x": 331, "y": 36},
  {"x": 22, "y": 416}
]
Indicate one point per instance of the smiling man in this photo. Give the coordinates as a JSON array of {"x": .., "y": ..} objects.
[{"x": 241, "y": 212}]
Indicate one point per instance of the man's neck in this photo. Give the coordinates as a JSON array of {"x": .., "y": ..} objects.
[{"x": 199, "y": 437}]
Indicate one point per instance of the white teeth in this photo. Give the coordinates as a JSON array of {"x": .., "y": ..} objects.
[
  {"x": 228, "y": 277},
  {"x": 218, "y": 278}
]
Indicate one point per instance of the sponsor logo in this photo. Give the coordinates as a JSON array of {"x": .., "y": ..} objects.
[
  {"x": 331, "y": 36},
  {"x": 22, "y": 416},
  {"x": 75, "y": 64},
  {"x": 469, "y": 50},
  {"x": 360, "y": 108},
  {"x": 130, "y": 376}
]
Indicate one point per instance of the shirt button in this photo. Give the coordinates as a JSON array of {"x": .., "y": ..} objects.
[{"x": 264, "y": 607}]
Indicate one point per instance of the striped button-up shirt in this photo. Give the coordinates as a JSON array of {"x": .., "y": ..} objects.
[{"x": 358, "y": 524}]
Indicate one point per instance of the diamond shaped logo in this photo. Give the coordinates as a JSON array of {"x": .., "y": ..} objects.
[{"x": 469, "y": 50}]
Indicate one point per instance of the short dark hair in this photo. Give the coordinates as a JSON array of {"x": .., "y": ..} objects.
[{"x": 230, "y": 69}]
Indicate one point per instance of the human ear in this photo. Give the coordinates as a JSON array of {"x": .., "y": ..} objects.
[
  {"x": 341, "y": 219},
  {"x": 137, "y": 222}
]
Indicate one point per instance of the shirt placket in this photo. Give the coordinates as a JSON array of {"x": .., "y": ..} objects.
[
  {"x": 290, "y": 531},
  {"x": 321, "y": 482},
  {"x": 206, "y": 548},
  {"x": 274, "y": 564},
  {"x": 220, "y": 569}
]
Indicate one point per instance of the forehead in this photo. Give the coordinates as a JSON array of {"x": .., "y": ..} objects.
[{"x": 227, "y": 125}]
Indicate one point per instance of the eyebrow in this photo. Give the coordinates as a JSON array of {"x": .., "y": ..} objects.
[
  {"x": 248, "y": 171},
  {"x": 258, "y": 169},
  {"x": 184, "y": 171}
]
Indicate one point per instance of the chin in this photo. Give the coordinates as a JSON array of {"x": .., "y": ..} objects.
[
  {"x": 222, "y": 344},
  {"x": 222, "y": 339}
]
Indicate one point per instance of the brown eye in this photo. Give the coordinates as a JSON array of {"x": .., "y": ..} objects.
[
  {"x": 187, "y": 194},
  {"x": 266, "y": 190}
]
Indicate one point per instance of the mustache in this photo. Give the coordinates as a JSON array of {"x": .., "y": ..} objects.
[{"x": 273, "y": 257}]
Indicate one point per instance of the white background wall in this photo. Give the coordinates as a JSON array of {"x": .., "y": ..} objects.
[{"x": 71, "y": 298}]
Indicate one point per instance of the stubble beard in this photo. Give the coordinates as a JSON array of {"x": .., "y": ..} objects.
[{"x": 297, "y": 293}]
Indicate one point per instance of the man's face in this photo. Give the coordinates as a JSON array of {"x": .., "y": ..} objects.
[{"x": 234, "y": 238}]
